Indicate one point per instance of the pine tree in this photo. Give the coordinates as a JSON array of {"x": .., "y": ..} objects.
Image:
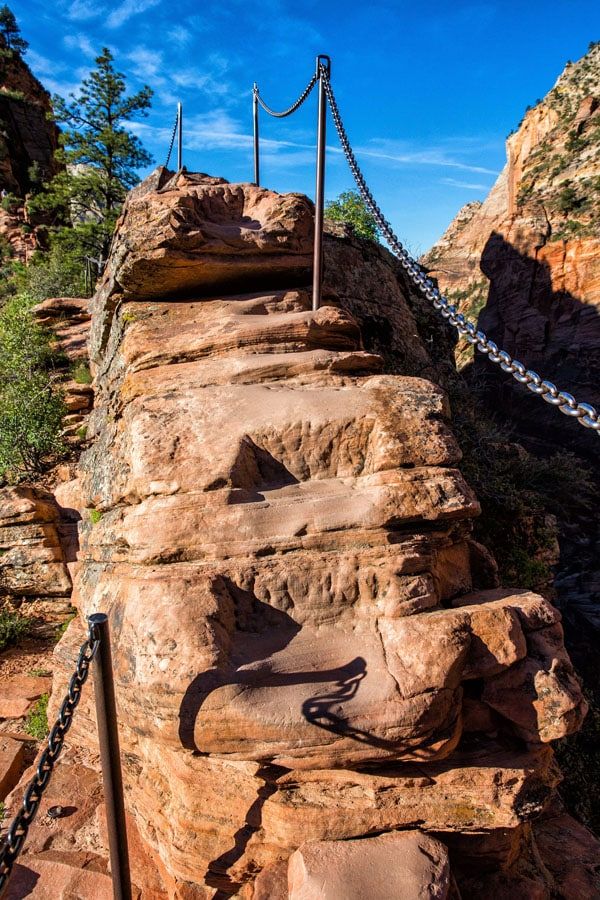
[
  {"x": 10, "y": 33},
  {"x": 98, "y": 155}
]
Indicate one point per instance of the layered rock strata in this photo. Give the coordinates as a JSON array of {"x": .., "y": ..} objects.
[
  {"x": 28, "y": 138},
  {"x": 281, "y": 537},
  {"x": 526, "y": 262},
  {"x": 32, "y": 561}
]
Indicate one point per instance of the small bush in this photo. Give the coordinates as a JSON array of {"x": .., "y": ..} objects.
[
  {"x": 95, "y": 516},
  {"x": 13, "y": 627},
  {"x": 351, "y": 209},
  {"x": 81, "y": 374},
  {"x": 36, "y": 723},
  {"x": 10, "y": 203},
  {"x": 60, "y": 629},
  {"x": 55, "y": 273},
  {"x": 31, "y": 409}
]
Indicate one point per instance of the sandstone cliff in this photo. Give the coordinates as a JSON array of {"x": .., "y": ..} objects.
[
  {"x": 28, "y": 141},
  {"x": 27, "y": 138},
  {"x": 526, "y": 262},
  {"x": 307, "y": 649}
]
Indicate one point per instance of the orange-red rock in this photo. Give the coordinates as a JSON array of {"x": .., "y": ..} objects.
[{"x": 280, "y": 534}]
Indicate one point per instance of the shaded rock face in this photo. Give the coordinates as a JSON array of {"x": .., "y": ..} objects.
[
  {"x": 281, "y": 537},
  {"x": 526, "y": 262},
  {"x": 26, "y": 136}
]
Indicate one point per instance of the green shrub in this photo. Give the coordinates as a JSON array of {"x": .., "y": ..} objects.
[
  {"x": 351, "y": 209},
  {"x": 568, "y": 200},
  {"x": 60, "y": 629},
  {"x": 81, "y": 373},
  {"x": 13, "y": 627},
  {"x": 10, "y": 203},
  {"x": 36, "y": 723},
  {"x": 58, "y": 272},
  {"x": 95, "y": 516},
  {"x": 31, "y": 409}
]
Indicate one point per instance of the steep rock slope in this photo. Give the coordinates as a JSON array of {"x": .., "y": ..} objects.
[
  {"x": 27, "y": 138},
  {"x": 281, "y": 536},
  {"x": 28, "y": 141},
  {"x": 527, "y": 260}
]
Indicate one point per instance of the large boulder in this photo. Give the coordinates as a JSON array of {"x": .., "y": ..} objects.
[{"x": 280, "y": 534}]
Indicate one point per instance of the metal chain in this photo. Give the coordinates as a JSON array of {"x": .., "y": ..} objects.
[
  {"x": 19, "y": 828},
  {"x": 585, "y": 414},
  {"x": 172, "y": 140},
  {"x": 287, "y": 112}
]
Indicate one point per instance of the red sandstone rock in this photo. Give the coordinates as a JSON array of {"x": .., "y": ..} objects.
[
  {"x": 18, "y": 693},
  {"x": 11, "y": 761},
  {"x": 44, "y": 877},
  {"x": 529, "y": 267},
  {"x": 281, "y": 538},
  {"x": 404, "y": 865}
]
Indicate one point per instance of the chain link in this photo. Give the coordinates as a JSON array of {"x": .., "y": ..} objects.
[
  {"x": 585, "y": 414},
  {"x": 19, "y": 827},
  {"x": 287, "y": 112},
  {"x": 172, "y": 140}
]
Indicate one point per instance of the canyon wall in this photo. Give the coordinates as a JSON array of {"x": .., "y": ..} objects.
[{"x": 526, "y": 262}]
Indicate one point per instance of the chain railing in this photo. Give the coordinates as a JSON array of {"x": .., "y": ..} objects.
[
  {"x": 323, "y": 64},
  {"x": 95, "y": 649},
  {"x": 585, "y": 414},
  {"x": 177, "y": 132}
]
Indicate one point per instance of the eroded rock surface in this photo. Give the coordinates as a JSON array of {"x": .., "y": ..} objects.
[
  {"x": 280, "y": 533},
  {"x": 525, "y": 264}
]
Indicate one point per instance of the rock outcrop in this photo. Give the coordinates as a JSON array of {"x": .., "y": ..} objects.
[
  {"x": 526, "y": 262},
  {"x": 28, "y": 140},
  {"x": 32, "y": 562},
  {"x": 280, "y": 533}
]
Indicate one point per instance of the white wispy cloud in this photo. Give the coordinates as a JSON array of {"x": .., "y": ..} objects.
[
  {"x": 179, "y": 35},
  {"x": 147, "y": 63},
  {"x": 82, "y": 10},
  {"x": 124, "y": 11},
  {"x": 80, "y": 42},
  {"x": 420, "y": 156},
  {"x": 453, "y": 182},
  {"x": 42, "y": 66}
]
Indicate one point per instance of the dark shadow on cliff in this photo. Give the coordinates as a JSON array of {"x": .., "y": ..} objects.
[
  {"x": 550, "y": 331},
  {"x": 557, "y": 335}
]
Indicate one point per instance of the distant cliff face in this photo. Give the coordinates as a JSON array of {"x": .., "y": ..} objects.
[
  {"x": 27, "y": 137},
  {"x": 526, "y": 262}
]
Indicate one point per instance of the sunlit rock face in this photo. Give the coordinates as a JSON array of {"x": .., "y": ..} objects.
[
  {"x": 281, "y": 537},
  {"x": 525, "y": 263}
]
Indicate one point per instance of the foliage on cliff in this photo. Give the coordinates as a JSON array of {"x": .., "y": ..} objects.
[
  {"x": 99, "y": 157},
  {"x": 31, "y": 409}
]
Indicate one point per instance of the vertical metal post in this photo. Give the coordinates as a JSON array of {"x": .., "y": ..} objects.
[
  {"x": 320, "y": 186},
  {"x": 179, "y": 137},
  {"x": 255, "y": 124},
  {"x": 106, "y": 714}
]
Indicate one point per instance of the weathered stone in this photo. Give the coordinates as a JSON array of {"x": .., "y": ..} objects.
[
  {"x": 62, "y": 877},
  {"x": 281, "y": 538},
  {"x": 18, "y": 693},
  {"x": 31, "y": 558},
  {"x": 405, "y": 865},
  {"x": 11, "y": 762},
  {"x": 526, "y": 262}
]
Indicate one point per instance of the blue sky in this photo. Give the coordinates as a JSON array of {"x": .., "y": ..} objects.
[{"x": 428, "y": 90}]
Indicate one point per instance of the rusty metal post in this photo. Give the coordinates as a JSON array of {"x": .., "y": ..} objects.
[
  {"x": 255, "y": 129},
  {"x": 179, "y": 137},
  {"x": 108, "y": 735},
  {"x": 320, "y": 186}
]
